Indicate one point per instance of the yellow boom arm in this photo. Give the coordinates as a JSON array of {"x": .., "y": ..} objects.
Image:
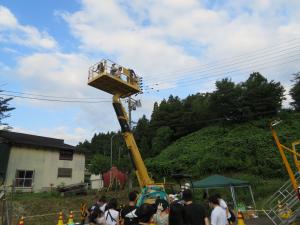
[{"x": 141, "y": 170}]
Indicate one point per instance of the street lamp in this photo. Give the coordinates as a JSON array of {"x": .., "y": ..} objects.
[{"x": 111, "y": 149}]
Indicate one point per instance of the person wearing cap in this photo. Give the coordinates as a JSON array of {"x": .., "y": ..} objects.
[{"x": 187, "y": 186}]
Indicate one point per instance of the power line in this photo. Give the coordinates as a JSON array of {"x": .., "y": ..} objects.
[
  {"x": 51, "y": 100},
  {"x": 240, "y": 64},
  {"x": 48, "y": 96},
  {"x": 213, "y": 63},
  {"x": 255, "y": 68},
  {"x": 233, "y": 64}
]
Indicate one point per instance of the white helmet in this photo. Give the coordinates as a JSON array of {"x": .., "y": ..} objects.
[{"x": 187, "y": 186}]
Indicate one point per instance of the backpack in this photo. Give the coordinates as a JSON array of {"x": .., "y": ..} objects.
[
  {"x": 111, "y": 217},
  {"x": 232, "y": 216}
]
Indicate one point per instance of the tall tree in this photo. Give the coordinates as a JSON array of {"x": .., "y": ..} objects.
[
  {"x": 143, "y": 136},
  {"x": 225, "y": 101},
  {"x": 295, "y": 92},
  {"x": 261, "y": 97},
  {"x": 4, "y": 111}
]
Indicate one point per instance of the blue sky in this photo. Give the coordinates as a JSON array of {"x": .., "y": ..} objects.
[{"x": 180, "y": 47}]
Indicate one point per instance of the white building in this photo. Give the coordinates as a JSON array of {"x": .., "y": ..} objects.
[
  {"x": 96, "y": 181},
  {"x": 35, "y": 163}
]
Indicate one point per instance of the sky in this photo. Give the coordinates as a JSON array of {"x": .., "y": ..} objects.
[{"x": 179, "y": 47}]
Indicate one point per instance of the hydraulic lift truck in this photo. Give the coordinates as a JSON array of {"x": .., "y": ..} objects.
[{"x": 122, "y": 82}]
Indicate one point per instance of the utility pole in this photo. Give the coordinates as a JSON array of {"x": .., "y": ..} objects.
[{"x": 132, "y": 105}]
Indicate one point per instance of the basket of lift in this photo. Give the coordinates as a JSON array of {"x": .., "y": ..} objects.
[{"x": 114, "y": 79}]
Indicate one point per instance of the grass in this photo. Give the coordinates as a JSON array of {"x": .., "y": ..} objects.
[{"x": 33, "y": 205}]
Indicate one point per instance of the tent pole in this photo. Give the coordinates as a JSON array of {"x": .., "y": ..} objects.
[
  {"x": 233, "y": 197},
  {"x": 251, "y": 193}
]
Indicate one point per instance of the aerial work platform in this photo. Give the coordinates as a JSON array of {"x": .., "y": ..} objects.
[{"x": 114, "y": 79}]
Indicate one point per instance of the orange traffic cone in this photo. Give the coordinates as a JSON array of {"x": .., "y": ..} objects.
[
  {"x": 240, "y": 218},
  {"x": 71, "y": 219},
  {"x": 21, "y": 221},
  {"x": 60, "y": 219}
]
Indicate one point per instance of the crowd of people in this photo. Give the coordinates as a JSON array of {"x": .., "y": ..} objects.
[{"x": 179, "y": 209}]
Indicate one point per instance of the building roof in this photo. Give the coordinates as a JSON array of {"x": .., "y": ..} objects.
[
  {"x": 218, "y": 181},
  {"x": 34, "y": 140}
]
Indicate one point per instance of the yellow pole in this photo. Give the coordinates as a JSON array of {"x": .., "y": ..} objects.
[
  {"x": 285, "y": 161},
  {"x": 296, "y": 156},
  {"x": 141, "y": 170}
]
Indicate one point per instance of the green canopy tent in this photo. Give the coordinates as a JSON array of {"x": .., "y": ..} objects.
[{"x": 218, "y": 181}]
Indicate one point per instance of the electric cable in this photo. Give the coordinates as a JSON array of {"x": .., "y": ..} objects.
[
  {"x": 51, "y": 100},
  {"x": 260, "y": 66},
  {"x": 225, "y": 66},
  {"x": 48, "y": 96},
  {"x": 227, "y": 59}
]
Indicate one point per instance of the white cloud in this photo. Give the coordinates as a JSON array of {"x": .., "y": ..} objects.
[
  {"x": 11, "y": 31},
  {"x": 161, "y": 40},
  {"x": 56, "y": 73},
  {"x": 70, "y": 135},
  {"x": 107, "y": 28},
  {"x": 8, "y": 20},
  {"x": 156, "y": 37}
]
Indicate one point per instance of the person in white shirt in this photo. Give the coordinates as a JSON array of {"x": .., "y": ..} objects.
[
  {"x": 218, "y": 215},
  {"x": 224, "y": 206},
  {"x": 111, "y": 214}
]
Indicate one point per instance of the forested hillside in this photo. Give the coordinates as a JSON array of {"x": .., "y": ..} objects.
[
  {"x": 223, "y": 131},
  {"x": 238, "y": 148}
]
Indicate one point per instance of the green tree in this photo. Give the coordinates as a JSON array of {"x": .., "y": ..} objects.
[
  {"x": 196, "y": 112},
  {"x": 295, "y": 92},
  {"x": 225, "y": 101},
  {"x": 99, "y": 164},
  {"x": 161, "y": 139},
  {"x": 143, "y": 136},
  {"x": 261, "y": 97},
  {"x": 4, "y": 111}
]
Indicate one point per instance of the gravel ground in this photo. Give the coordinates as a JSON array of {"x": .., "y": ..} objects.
[
  {"x": 259, "y": 221},
  {"x": 263, "y": 221}
]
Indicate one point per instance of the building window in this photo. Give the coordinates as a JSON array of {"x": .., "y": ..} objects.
[
  {"x": 66, "y": 155},
  {"x": 24, "y": 178},
  {"x": 64, "y": 172}
]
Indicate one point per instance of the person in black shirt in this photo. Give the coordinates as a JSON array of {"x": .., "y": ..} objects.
[
  {"x": 194, "y": 214},
  {"x": 145, "y": 213},
  {"x": 128, "y": 213},
  {"x": 176, "y": 214}
]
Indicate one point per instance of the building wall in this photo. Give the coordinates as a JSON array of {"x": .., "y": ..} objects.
[
  {"x": 45, "y": 164},
  {"x": 96, "y": 181}
]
